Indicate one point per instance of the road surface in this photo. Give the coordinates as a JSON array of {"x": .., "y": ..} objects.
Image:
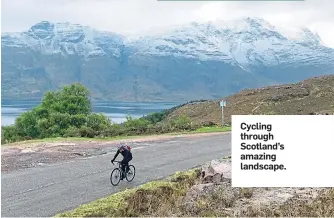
[{"x": 47, "y": 190}]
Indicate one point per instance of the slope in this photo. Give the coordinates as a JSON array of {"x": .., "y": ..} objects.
[{"x": 311, "y": 96}]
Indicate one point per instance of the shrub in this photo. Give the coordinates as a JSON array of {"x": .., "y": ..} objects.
[
  {"x": 66, "y": 112},
  {"x": 9, "y": 134},
  {"x": 136, "y": 126},
  {"x": 86, "y": 131},
  {"x": 113, "y": 130},
  {"x": 71, "y": 99},
  {"x": 98, "y": 122},
  {"x": 26, "y": 125},
  {"x": 155, "y": 118},
  {"x": 72, "y": 132},
  {"x": 181, "y": 123}
]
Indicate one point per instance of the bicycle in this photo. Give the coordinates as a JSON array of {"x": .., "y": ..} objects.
[{"x": 117, "y": 173}]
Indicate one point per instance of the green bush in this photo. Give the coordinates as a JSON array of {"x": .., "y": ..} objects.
[
  {"x": 136, "y": 126},
  {"x": 113, "y": 130},
  {"x": 155, "y": 118},
  {"x": 72, "y": 132},
  {"x": 66, "y": 112},
  {"x": 181, "y": 123},
  {"x": 72, "y": 99},
  {"x": 86, "y": 131},
  {"x": 26, "y": 125},
  {"x": 98, "y": 122},
  {"x": 9, "y": 134}
]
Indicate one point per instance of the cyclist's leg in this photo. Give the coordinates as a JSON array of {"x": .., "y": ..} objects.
[
  {"x": 127, "y": 164},
  {"x": 124, "y": 165},
  {"x": 123, "y": 168}
]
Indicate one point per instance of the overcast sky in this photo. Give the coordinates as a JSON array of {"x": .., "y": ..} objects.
[{"x": 133, "y": 16}]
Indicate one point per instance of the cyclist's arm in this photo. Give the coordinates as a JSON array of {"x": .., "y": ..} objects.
[{"x": 117, "y": 153}]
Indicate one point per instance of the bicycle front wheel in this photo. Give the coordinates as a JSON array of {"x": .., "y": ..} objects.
[
  {"x": 131, "y": 173},
  {"x": 115, "y": 177}
]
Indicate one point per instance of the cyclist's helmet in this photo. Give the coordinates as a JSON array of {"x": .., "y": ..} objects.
[{"x": 121, "y": 145}]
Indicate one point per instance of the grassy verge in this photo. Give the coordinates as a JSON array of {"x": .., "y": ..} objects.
[
  {"x": 156, "y": 197},
  {"x": 165, "y": 198},
  {"x": 213, "y": 129},
  {"x": 200, "y": 130}
]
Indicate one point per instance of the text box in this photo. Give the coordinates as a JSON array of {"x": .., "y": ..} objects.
[{"x": 282, "y": 150}]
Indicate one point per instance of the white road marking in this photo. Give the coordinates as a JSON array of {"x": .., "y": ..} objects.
[{"x": 138, "y": 148}]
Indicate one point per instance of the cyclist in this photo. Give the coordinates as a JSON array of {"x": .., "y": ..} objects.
[{"x": 127, "y": 157}]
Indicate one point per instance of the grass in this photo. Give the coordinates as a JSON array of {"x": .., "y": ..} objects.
[
  {"x": 156, "y": 197},
  {"x": 200, "y": 130},
  {"x": 311, "y": 96},
  {"x": 213, "y": 129}
]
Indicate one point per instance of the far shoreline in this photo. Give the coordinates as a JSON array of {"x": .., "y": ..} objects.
[{"x": 117, "y": 117}]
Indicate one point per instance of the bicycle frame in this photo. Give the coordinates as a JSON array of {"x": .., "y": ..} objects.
[{"x": 119, "y": 165}]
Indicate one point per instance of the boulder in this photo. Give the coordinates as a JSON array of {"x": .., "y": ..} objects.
[
  {"x": 216, "y": 172},
  {"x": 209, "y": 196},
  {"x": 198, "y": 190},
  {"x": 189, "y": 203}
]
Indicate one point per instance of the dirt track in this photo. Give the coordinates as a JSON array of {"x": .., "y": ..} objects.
[{"x": 32, "y": 154}]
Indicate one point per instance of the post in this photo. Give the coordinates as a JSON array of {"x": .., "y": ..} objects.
[
  {"x": 222, "y": 105},
  {"x": 222, "y": 116}
]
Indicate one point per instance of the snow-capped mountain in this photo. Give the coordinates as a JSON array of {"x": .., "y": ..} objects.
[
  {"x": 66, "y": 39},
  {"x": 244, "y": 42},
  {"x": 218, "y": 58}
]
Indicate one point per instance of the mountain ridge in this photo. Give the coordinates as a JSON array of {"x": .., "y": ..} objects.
[{"x": 211, "y": 56}]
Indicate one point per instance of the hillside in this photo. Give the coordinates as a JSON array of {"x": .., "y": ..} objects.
[
  {"x": 214, "y": 59},
  {"x": 311, "y": 96}
]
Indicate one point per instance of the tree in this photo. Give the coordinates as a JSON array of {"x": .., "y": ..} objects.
[
  {"x": 60, "y": 112},
  {"x": 71, "y": 99}
]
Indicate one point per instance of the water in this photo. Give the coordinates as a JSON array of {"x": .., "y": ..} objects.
[{"x": 117, "y": 111}]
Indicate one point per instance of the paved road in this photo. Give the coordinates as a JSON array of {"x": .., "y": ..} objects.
[{"x": 47, "y": 190}]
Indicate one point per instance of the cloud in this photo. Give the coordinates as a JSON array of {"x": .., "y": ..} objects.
[{"x": 134, "y": 16}]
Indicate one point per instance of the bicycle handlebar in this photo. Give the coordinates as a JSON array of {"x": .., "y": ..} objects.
[{"x": 116, "y": 161}]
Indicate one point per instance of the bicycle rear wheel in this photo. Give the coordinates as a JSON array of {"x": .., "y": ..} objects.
[
  {"x": 131, "y": 173},
  {"x": 115, "y": 176}
]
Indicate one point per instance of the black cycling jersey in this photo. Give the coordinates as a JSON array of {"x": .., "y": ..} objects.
[{"x": 125, "y": 153}]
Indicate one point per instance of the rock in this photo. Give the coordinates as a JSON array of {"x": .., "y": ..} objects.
[
  {"x": 189, "y": 202},
  {"x": 198, "y": 190},
  {"x": 80, "y": 154},
  {"x": 216, "y": 172},
  {"x": 216, "y": 195},
  {"x": 276, "y": 98}
]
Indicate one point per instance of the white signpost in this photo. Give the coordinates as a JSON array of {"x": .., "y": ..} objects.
[{"x": 222, "y": 105}]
